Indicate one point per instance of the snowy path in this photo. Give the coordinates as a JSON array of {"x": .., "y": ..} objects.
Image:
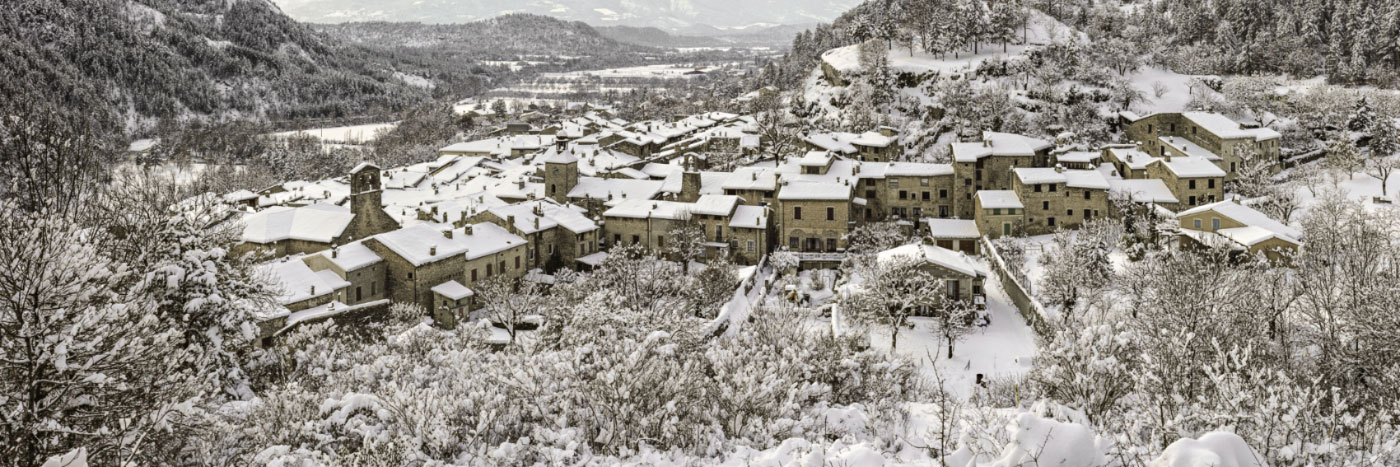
[{"x": 733, "y": 314}]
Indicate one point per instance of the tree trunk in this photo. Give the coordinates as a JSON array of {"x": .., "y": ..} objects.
[{"x": 894, "y": 338}]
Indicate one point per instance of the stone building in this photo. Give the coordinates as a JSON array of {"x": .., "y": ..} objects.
[
  {"x": 1055, "y": 198},
  {"x": 999, "y": 213},
  {"x": 1193, "y": 181},
  {"x": 987, "y": 164},
  {"x": 963, "y": 278},
  {"x": 1232, "y": 225},
  {"x": 557, "y": 234},
  {"x": 1202, "y": 134},
  {"x": 815, "y": 217},
  {"x": 421, "y": 257}
]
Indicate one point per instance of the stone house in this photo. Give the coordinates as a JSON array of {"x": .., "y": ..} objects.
[
  {"x": 751, "y": 233},
  {"x": 1202, "y": 134},
  {"x": 999, "y": 213},
  {"x": 421, "y": 257},
  {"x": 987, "y": 164},
  {"x": 1193, "y": 181},
  {"x": 1055, "y": 198},
  {"x": 815, "y": 216},
  {"x": 1239, "y": 227},
  {"x": 963, "y": 277},
  {"x": 556, "y": 234}
]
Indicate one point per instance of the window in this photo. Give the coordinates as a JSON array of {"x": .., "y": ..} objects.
[
  {"x": 661, "y": 241},
  {"x": 869, "y": 194},
  {"x": 1232, "y": 166},
  {"x": 830, "y": 244},
  {"x": 953, "y": 289},
  {"x": 943, "y": 194},
  {"x": 1191, "y": 184},
  {"x": 1086, "y": 213},
  {"x": 488, "y": 271},
  {"x": 532, "y": 253},
  {"x": 617, "y": 238},
  {"x": 1087, "y": 194},
  {"x": 1214, "y": 224},
  {"x": 1191, "y": 201},
  {"x": 942, "y": 211},
  {"x": 918, "y": 212},
  {"x": 926, "y": 196},
  {"x": 903, "y": 194},
  {"x": 410, "y": 276},
  {"x": 358, "y": 296},
  {"x": 894, "y": 183},
  {"x": 636, "y": 239},
  {"x": 792, "y": 242},
  {"x": 751, "y": 246},
  {"x": 517, "y": 262},
  {"x": 1050, "y": 221},
  {"x": 1053, "y": 187},
  {"x": 1069, "y": 212},
  {"x": 473, "y": 274},
  {"x": 923, "y": 182},
  {"x": 503, "y": 266},
  {"x": 1006, "y": 228},
  {"x": 996, "y": 211},
  {"x": 831, "y": 214},
  {"x": 1210, "y": 183},
  {"x": 551, "y": 251},
  {"x": 373, "y": 285},
  {"x": 1045, "y": 205},
  {"x": 1037, "y": 188},
  {"x": 797, "y": 213}
]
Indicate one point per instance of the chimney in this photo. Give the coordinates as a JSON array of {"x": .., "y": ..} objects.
[
  {"x": 537, "y": 223},
  {"x": 335, "y": 252},
  {"x": 1167, "y": 157},
  {"x": 447, "y": 234},
  {"x": 510, "y": 220},
  {"x": 467, "y": 229},
  {"x": 432, "y": 250},
  {"x": 313, "y": 290},
  {"x": 1059, "y": 168}
]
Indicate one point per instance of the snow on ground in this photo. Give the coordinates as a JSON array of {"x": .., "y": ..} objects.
[
  {"x": 415, "y": 80},
  {"x": 1360, "y": 187},
  {"x": 1043, "y": 30},
  {"x": 644, "y": 71},
  {"x": 344, "y": 134},
  {"x": 1004, "y": 348},
  {"x": 1176, "y": 89}
]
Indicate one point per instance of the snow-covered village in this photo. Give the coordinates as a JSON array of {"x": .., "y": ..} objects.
[{"x": 972, "y": 233}]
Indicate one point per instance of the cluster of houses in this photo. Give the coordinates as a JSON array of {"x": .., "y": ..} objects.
[{"x": 562, "y": 196}]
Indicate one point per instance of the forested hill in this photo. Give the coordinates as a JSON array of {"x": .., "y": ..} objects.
[
  {"x": 149, "y": 60},
  {"x": 507, "y": 37}
]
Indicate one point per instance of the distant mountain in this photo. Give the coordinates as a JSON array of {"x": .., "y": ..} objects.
[
  {"x": 774, "y": 36},
  {"x": 669, "y": 15},
  {"x": 162, "y": 59},
  {"x": 508, "y": 37}
]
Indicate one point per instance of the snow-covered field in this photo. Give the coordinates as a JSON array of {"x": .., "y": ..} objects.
[
  {"x": 669, "y": 71},
  {"x": 356, "y": 134},
  {"x": 1003, "y": 348}
]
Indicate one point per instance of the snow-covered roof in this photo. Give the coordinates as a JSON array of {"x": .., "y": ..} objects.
[
  {"x": 949, "y": 259},
  {"x": 998, "y": 144},
  {"x": 1134, "y": 158},
  {"x": 351, "y": 256},
  {"x": 999, "y": 199},
  {"x": 320, "y": 223},
  {"x": 815, "y": 159},
  {"x": 363, "y": 166},
  {"x": 952, "y": 228},
  {"x": 453, "y": 290},
  {"x": 814, "y": 191},
  {"x": 299, "y": 283},
  {"x": 1253, "y": 235},
  {"x": 422, "y": 244},
  {"x": 1082, "y": 157},
  {"x": 1247, "y": 216},
  {"x": 643, "y": 209},
  {"x": 594, "y": 259},
  {"x": 556, "y": 156},
  {"x": 751, "y": 178},
  {"x": 1226, "y": 128},
  {"x": 615, "y": 189},
  {"x": 916, "y": 169},
  {"x": 1150, "y": 190},
  {"x": 749, "y": 217},
  {"x": 240, "y": 195},
  {"x": 715, "y": 205},
  {"x": 540, "y": 215},
  {"x": 1090, "y": 179},
  {"x": 1192, "y": 167}
]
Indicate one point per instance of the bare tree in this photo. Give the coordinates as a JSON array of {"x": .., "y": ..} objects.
[{"x": 508, "y": 302}]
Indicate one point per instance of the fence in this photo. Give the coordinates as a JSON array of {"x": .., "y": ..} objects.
[{"x": 1031, "y": 310}]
